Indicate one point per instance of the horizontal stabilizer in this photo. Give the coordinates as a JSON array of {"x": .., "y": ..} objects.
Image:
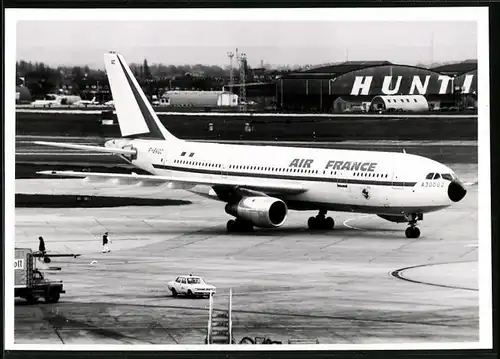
[
  {"x": 120, "y": 151},
  {"x": 183, "y": 183}
]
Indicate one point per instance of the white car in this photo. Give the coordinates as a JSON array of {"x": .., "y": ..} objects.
[{"x": 192, "y": 286}]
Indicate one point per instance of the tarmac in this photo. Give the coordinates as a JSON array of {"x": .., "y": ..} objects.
[{"x": 362, "y": 283}]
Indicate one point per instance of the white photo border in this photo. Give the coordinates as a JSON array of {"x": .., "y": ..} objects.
[{"x": 478, "y": 14}]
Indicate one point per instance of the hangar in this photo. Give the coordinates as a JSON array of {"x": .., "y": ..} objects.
[{"x": 328, "y": 88}]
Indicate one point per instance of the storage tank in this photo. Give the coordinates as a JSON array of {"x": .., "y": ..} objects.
[{"x": 199, "y": 99}]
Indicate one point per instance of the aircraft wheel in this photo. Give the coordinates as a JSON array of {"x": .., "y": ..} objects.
[
  {"x": 329, "y": 223},
  {"x": 412, "y": 232},
  {"x": 244, "y": 226},
  {"x": 312, "y": 223},
  {"x": 231, "y": 226}
]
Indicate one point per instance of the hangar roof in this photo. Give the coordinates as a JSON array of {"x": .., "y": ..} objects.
[
  {"x": 343, "y": 67},
  {"x": 456, "y": 68}
]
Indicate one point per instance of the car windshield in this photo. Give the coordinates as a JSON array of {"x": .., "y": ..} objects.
[{"x": 194, "y": 280}]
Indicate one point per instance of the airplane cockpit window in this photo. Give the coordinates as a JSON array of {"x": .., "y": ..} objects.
[
  {"x": 437, "y": 176},
  {"x": 447, "y": 176},
  {"x": 429, "y": 176}
]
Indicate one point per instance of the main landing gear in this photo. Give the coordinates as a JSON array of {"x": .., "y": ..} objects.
[
  {"x": 412, "y": 231},
  {"x": 239, "y": 225},
  {"x": 321, "y": 221}
]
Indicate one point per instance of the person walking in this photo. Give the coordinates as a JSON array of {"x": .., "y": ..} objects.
[
  {"x": 105, "y": 241},
  {"x": 41, "y": 245}
]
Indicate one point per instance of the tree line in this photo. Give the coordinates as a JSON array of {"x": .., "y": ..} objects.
[{"x": 84, "y": 81}]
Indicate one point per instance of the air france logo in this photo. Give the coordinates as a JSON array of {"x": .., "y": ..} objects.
[{"x": 336, "y": 165}]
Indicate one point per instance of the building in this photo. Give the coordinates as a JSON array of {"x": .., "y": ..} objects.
[{"x": 23, "y": 95}]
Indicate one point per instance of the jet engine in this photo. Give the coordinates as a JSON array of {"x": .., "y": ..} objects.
[{"x": 264, "y": 212}]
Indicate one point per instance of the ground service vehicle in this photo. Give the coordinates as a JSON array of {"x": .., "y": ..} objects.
[
  {"x": 192, "y": 286},
  {"x": 30, "y": 283}
]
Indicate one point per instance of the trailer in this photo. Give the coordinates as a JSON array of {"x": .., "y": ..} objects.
[{"x": 29, "y": 282}]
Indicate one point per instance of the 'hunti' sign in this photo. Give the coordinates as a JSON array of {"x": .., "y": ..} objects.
[{"x": 418, "y": 85}]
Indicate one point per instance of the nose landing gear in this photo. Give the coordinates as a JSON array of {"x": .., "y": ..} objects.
[
  {"x": 412, "y": 231},
  {"x": 321, "y": 221}
]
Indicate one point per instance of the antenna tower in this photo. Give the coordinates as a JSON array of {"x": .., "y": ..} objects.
[
  {"x": 231, "y": 79},
  {"x": 243, "y": 90}
]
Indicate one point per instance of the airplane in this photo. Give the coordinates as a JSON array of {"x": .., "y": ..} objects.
[
  {"x": 260, "y": 184},
  {"x": 49, "y": 101},
  {"x": 86, "y": 102}
]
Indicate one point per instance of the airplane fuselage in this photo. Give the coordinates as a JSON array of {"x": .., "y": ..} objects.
[{"x": 338, "y": 180}]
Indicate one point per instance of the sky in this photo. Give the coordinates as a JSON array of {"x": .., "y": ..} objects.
[{"x": 273, "y": 42}]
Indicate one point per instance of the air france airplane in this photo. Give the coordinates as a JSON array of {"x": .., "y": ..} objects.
[{"x": 260, "y": 184}]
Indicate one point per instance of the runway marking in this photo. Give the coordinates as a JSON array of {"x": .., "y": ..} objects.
[
  {"x": 472, "y": 245},
  {"x": 398, "y": 273},
  {"x": 352, "y": 219}
]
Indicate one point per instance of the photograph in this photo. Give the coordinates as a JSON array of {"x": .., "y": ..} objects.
[{"x": 258, "y": 179}]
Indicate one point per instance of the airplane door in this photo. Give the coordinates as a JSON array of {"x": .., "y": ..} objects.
[
  {"x": 224, "y": 170},
  {"x": 397, "y": 182},
  {"x": 342, "y": 180},
  {"x": 225, "y": 167}
]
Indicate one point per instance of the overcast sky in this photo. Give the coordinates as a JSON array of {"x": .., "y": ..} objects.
[{"x": 207, "y": 42}]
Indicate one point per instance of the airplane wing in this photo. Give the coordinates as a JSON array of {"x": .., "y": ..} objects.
[
  {"x": 120, "y": 151},
  {"x": 185, "y": 182}
]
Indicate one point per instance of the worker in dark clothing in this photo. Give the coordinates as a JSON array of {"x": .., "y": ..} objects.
[
  {"x": 105, "y": 240},
  {"x": 41, "y": 245}
]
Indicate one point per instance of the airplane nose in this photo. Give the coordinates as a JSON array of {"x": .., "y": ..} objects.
[{"x": 456, "y": 191}]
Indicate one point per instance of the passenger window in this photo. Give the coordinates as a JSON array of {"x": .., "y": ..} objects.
[
  {"x": 429, "y": 176},
  {"x": 437, "y": 176}
]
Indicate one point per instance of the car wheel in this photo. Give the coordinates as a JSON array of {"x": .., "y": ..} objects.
[
  {"x": 189, "y": 293},
  {"x": 174, "y": 292}
]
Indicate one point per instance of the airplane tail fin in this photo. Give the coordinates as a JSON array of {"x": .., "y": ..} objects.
[{"x": 135, "y": 114}]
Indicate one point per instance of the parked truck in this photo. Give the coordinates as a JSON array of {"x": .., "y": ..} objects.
[{"x": 30, "y": 283}]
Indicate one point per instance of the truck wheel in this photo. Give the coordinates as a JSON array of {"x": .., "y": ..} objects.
[
  {"x": 56, "y": 297},
  {"x": 52, "y": 297},
  {"x": 31, "y": 299},
  {"x": 174, "y": 292}
]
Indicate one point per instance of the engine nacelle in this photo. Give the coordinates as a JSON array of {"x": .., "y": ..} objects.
[{"x": 264, "y": 212}]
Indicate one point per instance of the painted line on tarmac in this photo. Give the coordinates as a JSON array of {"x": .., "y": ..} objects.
[
  {"x": 398, "y": 273},
  {"x": 352, "y": 219}
]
